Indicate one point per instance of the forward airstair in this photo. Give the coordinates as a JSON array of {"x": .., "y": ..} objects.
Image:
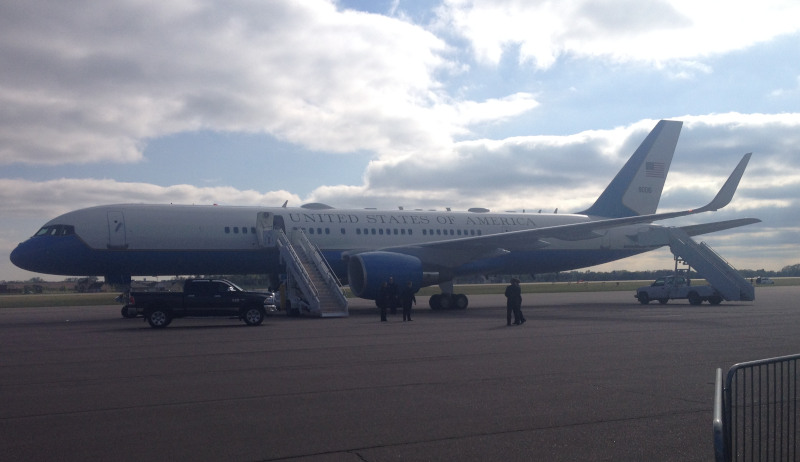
[
  {"x": 311, "y": 286},
  {"x": 709, "y": 264}
]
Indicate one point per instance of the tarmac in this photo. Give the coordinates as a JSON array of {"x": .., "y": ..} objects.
[{"x": 590, "y": 377}]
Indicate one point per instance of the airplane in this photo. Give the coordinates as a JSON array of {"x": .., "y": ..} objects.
[{"x": 364, "y": 247}]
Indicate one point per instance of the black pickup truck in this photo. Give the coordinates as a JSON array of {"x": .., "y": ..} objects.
[{"x": 201, "y": 297}]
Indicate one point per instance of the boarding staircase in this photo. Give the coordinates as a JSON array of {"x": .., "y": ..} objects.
[
  {"x": 709, "y": 264},
  {"x": 311, "y": 285}
]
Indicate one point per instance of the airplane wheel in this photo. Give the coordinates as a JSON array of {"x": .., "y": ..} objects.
[
  {"x": 434, "y": 302},
  {"x": 253, "y": 316},
  {"x": 460, "y": 302},
  {"x": 446, "y": 301}
]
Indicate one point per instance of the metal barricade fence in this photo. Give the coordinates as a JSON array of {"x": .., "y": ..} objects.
[{"x": 755, "y": 413}]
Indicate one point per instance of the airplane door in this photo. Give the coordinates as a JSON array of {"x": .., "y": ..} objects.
[
  {"x": 267, "y": 224},
  {"x": 278, "y": 224},
  {"x": 265, "y": 237},
  {"x": 116, "y": 231}
]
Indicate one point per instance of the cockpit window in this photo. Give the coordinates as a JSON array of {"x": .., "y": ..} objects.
[{"x": 55, "y": 230}]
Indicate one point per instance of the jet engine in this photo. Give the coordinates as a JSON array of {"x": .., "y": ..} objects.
[{"x": 367, "y": 271}]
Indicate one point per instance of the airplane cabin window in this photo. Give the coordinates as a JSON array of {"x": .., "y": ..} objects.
[
  {"x": 227, "y": 230},
  {"x": 343, "y": 232}
]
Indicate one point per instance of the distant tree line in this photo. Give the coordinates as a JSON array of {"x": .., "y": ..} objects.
[{"x": 263, "y": 280}]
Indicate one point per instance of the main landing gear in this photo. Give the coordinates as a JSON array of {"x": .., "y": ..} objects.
[{"x": 445, "y": 301}]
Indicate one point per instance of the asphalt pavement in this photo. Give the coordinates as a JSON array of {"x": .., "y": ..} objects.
[{"x": 590, "y": 376}]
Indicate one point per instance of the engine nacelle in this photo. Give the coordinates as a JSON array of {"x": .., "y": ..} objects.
[{"x": 367, "y": 271}]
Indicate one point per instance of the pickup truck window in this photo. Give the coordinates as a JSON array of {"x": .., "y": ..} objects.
[
  {"x": 199, "y": 287},
  {"x": 221, "y": 288}
]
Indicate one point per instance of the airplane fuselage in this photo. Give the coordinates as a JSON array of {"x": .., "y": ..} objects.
[{"x": 150, "y": 240}]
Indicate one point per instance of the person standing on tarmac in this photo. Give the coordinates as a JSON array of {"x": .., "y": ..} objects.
[
  {"x": 391, "y": 295},
  {"x": 514, "y": 303},
  {"x": 382, "y": 301},
  {"x": 406, "y": 299}
]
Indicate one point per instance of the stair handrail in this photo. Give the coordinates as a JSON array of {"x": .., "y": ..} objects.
[
  {"x": 713, "y": 263},
  {"x": 286, "y": 246},
  {"x": 313, "y": 252}
]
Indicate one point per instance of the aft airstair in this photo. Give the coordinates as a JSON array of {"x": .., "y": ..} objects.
[
  {"x": 311, "y": 286},
  {"x": 709, "y": 264}
]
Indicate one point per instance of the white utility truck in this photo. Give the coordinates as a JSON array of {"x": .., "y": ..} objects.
[{"x": 675, "y": 287}]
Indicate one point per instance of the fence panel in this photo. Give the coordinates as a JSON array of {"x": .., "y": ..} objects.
[{"x": 760, "y": 410}]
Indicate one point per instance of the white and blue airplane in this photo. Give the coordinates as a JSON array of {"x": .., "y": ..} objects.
[{"x": 365, "y": 246}]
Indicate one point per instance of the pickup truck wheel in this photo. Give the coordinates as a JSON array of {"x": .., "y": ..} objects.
[
  {"x": 159, "y": 318},
  {"x": 644, "y": 299},
  {"x": 695, "y": 299},
  {"x": 253, "y": 316},
  {"x": 663, "y": 301},
  {"x": 715, "y": 300}
]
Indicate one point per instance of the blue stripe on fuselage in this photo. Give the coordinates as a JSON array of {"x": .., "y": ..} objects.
[{"x": 70, "y": 256}]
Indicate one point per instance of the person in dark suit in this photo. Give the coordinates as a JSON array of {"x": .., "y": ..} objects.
[
  {"x": 514, "y": 303},
  {"x": 382, "y": 301},
  {"x": 391, "y": 295},
  {"x": 406, "y": 299}
]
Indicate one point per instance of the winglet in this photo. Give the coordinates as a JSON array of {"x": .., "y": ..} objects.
[{"x": 725, "y": 194}]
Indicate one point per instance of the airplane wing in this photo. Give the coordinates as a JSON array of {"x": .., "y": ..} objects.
[{"x": 457, "y": 251}]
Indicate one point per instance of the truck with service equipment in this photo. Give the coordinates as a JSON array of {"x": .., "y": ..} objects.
[{"x": 677, "y": 287}]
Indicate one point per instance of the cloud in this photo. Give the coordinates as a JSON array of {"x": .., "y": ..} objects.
[
  {"x": 530, "y": 172},
  {"x": 675, "y": 33},
  {"x": 93, "y": 81},
  {"x": 570, "y": 171},
  {"x": 24, "y": 198}
]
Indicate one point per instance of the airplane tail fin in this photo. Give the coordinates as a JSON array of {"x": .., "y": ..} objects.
[{"x": 637, "y": 187}]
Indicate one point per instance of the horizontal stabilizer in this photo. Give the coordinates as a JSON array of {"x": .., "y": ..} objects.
[{"x": 705, "y": 228}]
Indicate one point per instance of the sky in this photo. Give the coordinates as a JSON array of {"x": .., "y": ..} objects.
[{"x": 502, "y": 104}]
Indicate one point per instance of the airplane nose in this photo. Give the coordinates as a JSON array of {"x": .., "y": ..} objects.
[{"x": 21, "y": 256}]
